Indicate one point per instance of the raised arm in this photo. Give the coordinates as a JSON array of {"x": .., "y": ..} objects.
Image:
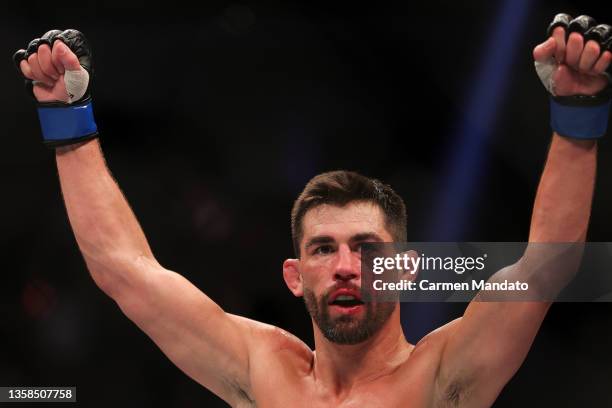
[
  {"x": 488, "y": 344},
  {"x": 208, "y": 344},
  {"x": 563, "y": 201},
  {"x": 200, "y": 338}
]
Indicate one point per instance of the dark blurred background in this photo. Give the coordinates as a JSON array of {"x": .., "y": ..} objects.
[{"x": 214, "y": 116}]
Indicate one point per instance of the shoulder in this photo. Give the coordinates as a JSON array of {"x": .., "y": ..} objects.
[
  {"x": 430, "y": 348},
  {"x": 271, "y": 350},
  {"x": 437, "y": 338},
  {"x": 266, "y": 338}
]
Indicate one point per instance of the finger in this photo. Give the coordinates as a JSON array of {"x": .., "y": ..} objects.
[
  {"x": 602, "y": 63},
  {"x": 49, "y": 38},
  {"x": 64, "y": 56},
  {"x": 57, "y": 64},
  {"x": 37, "y": 72},
  {"x": 575, "y": 44},
  {"x": 18, "y": 57},
  {"x": 560, "y": 20},
  {"x": 25, "y": 69},
  {"x": 44, "y": 59},
  {"x": 545, "y": 51},
  {"x": 559, "y": 36},
  {"x": 590, "y": 55},
  {"x": 32, "y": 47},
  {"x": 55, "y": 59}
]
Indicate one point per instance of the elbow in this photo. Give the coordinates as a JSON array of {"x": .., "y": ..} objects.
[
  {"x": 550, "y": 267},
  {"x": 117, "y": 275}
]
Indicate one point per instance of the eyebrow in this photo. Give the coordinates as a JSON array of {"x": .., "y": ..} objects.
[
  {"x": 320, "y": 239},
  {"x": 326, "y": 239},
  {"x": 366, "y": 236}
]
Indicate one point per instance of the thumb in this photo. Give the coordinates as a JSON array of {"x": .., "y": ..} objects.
[
  {"x": 66, "y": 58},
  {"x": 75, "y": 76}
]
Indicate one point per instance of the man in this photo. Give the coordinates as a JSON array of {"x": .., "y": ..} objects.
[{"x": 361, "y": 357}]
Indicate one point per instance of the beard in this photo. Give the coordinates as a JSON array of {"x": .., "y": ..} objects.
[{"x": 347, "y": 329}]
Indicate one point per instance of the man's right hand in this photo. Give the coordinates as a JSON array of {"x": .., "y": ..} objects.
[
  {"x": 208, "y": 344},
  {"x": 54, "y": 69},
  {"x": 46, "y": 69}
]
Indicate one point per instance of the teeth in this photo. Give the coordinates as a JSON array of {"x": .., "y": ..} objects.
[{"x": 345, "y": 297}]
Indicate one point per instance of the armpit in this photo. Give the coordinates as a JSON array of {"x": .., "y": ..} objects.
[
  {"x": 455, "y": 395},
  {"x": 241, "y": 398}
]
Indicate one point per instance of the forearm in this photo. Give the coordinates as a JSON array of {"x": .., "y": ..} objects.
[
  {"x": 563, "y": 201},
  {"x": 105, "y": 227},
  {"x": 560, "y": 215}
]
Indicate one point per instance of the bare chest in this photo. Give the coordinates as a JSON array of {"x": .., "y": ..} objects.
[{"x": 279, "y": 385}]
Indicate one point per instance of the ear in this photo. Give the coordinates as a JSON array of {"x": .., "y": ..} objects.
[
  {"x": 412, "y": 273},
  {"x": 293, "y": 277}
]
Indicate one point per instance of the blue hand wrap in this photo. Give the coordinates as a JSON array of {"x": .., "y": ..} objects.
[
  {"x": 65, "y": 124},
  {"x": 580, "y": 122}
]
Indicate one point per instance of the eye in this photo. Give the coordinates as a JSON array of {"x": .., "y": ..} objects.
[{"x": 324, "y": 250}]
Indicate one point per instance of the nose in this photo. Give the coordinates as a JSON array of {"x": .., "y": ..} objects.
[{"x": 346, "y": 268}]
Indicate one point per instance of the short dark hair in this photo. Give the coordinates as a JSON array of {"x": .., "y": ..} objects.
[{"x": 342, "y": 187}]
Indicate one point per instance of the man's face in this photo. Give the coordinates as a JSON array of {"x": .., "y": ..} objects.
[{"x": 330, "y": 266}]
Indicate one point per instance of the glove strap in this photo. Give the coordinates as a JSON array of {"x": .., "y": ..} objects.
[
  {"x": 579, "y": 121},
  {"x": 64, "y": 124}
]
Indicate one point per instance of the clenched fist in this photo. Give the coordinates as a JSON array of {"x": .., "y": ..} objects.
[
  {"x": 572, "y": 65},
  {"x": 575, "y": 56},
  {"x": 58, "y": 68},
  {"x": 57, "y": 72}
]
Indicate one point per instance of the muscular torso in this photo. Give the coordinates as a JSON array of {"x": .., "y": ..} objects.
[{"x": 282, "y": 375}]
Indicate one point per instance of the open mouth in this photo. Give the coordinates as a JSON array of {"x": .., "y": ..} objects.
[{"x": 346, "y": 299}]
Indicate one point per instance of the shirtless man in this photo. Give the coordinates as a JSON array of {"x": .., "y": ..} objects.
[{"x": 361, "y": 358}]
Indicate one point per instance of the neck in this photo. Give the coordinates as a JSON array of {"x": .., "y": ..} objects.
[{"x": 340, "y": 367}]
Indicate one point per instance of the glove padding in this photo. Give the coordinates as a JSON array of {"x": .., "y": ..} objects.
[{"x": 65, "y": 123}]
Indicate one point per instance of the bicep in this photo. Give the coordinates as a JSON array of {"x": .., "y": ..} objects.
[
  {"x": 488, "y": 344},
  {"x": 206, "y": 343},
  {"x": 486, "y": 347}
]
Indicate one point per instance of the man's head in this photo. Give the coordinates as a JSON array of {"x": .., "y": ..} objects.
[
  {"x": 335, "y": 214},
  {"x": 339, "y": 188}
]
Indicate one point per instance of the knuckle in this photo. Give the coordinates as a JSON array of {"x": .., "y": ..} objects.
[
  {"x": 57, "y": 43},
  {"x": 575, "y": 36},
  {"x": 592, "y": 46},
  {"x": 50, "y": 36},
  {"x": 559, "y": 31},
  {"x": 33, "y": 46},
  {"x": 19, "y": 56}
]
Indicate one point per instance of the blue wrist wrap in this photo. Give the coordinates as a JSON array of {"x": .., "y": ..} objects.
[
  {"x": 580, "y": 122},
  {"x": 67, "y": 124}
]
